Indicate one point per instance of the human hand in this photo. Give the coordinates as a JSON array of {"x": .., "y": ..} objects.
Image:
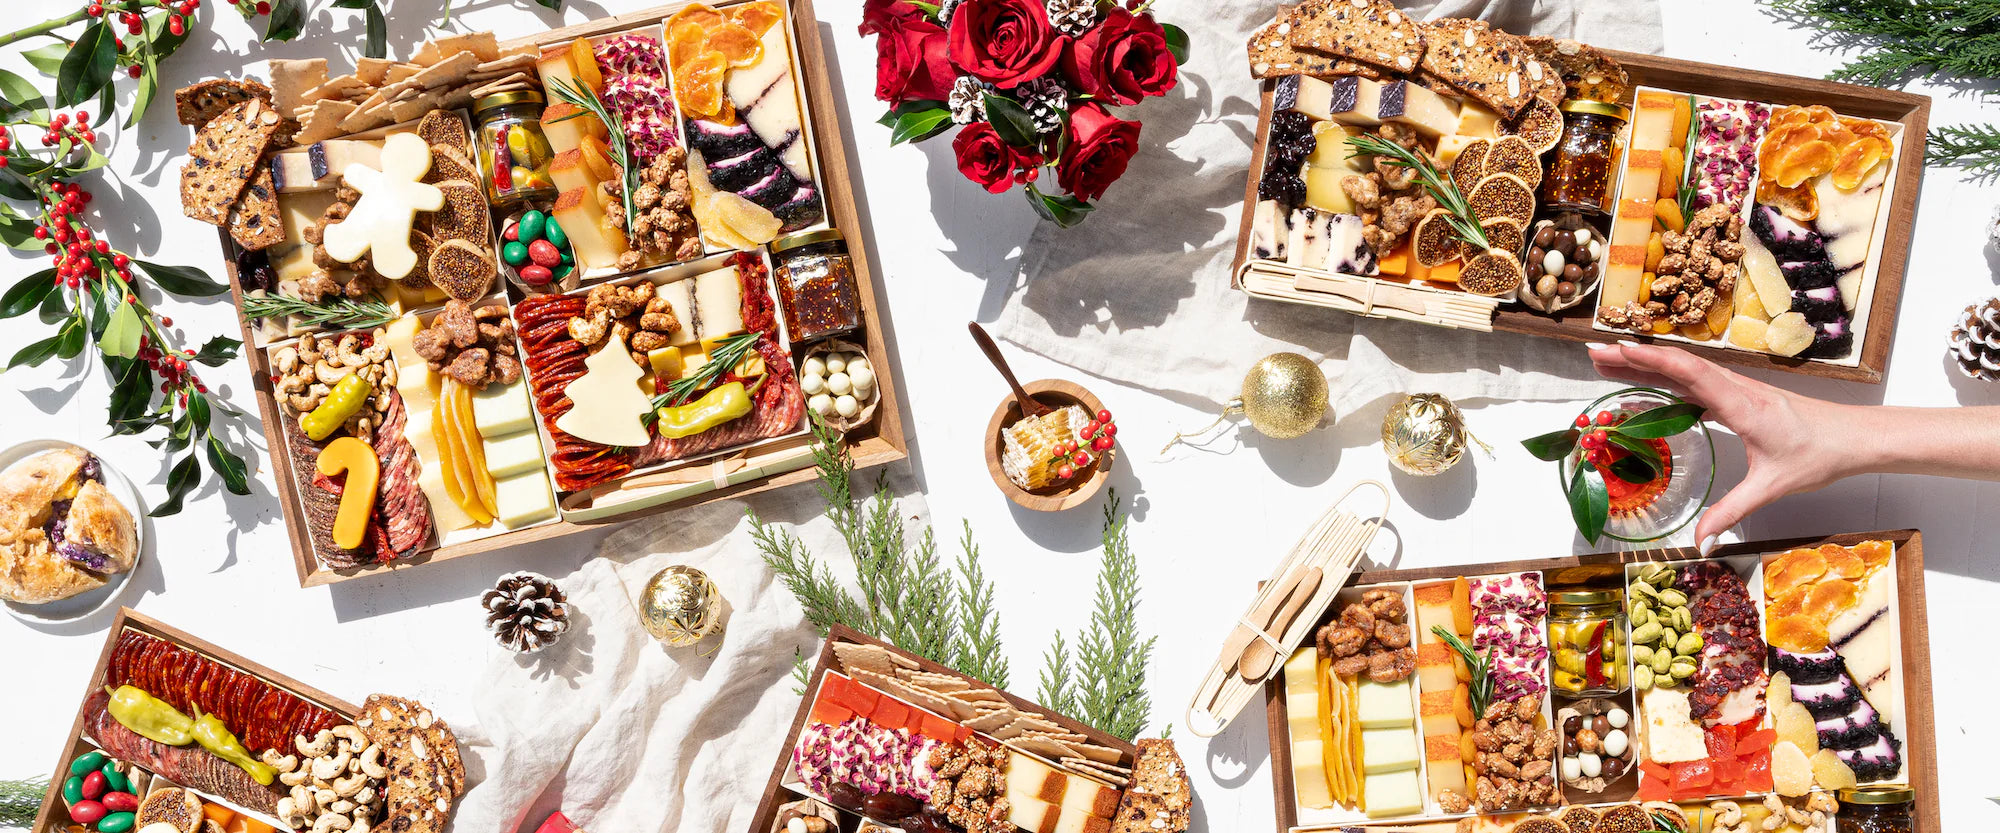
[{"x": 1793, "y": 443}]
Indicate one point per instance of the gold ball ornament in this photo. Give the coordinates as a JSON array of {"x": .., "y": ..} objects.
[
  {"x": 1284, "y": 395},
  {"x": 680, "y": 606},
  {"x": 1424, "y": 434}
]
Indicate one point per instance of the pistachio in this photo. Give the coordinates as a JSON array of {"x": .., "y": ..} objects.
[
  {"x": 1683, "y": 620},
  {"x": 1661, "y": 662},
  {"x": 1641, "y": 654},
  {"x": 1682, "y": 668},
  {"x": 1673, "y": 598},
  {"x": 1644, "y": 589},
  {"x": 1689, "y": 644},
  {"x": 1642, "y": 677},
  {"x": 1646, "y": 633}
]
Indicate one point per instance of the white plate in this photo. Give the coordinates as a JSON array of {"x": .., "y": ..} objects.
[{"x": 89, "y": 602}]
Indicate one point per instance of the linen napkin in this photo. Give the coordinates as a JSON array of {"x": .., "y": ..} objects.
[
  {"x": 625, "y": 735},
  {"x": 1140, "y": 292}
]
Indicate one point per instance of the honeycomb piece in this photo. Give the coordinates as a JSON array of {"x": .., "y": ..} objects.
[
  {"x": 1791, "y": 770},
  {"x": 1842, "y": 562},
  {"x": 1829, "y": 772},
  {"x": 1874, "y": 553},
  {"x": 1799, "y": 634},
  {"x": 1792, "y": 569},
  {"x": 1795, "y": 726},
  {"x": 1778, "y": 693},
  {"x": 1830, "y": 598}
]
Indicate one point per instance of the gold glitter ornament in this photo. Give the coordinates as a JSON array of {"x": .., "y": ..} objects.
[
  {"x": 1424, "y": 434},
  {"x": 1284, "y": 395},
  {"x": 680, "y": 606}
]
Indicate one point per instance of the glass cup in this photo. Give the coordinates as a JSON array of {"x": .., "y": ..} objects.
[{"x": 1690, "y": 479}]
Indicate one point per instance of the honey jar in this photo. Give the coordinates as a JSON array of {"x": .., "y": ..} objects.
[{"x": 1582, "y": 173}]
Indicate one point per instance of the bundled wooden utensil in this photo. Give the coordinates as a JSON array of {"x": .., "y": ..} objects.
[
  {"x": 1368, "y": 297},
  {"x": 1283, "y": 612}
]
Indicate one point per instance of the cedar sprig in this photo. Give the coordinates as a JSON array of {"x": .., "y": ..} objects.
[
  {"x": 1904, "y": 39},
  {"x": 801, "y": 673},
  {"x": 1974, "y": 147},
  {"x": 1110, "y": 675},
  {"x": 1458, "y": 212},
  {"x": 21, "y": 801},
  {"x": 1057, "y": 688},
  {"x": 978, "y": 650},
  {"x": 340, "y": 313}
]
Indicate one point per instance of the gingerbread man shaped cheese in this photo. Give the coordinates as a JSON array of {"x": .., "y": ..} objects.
[{"x": 390, "y": 200}]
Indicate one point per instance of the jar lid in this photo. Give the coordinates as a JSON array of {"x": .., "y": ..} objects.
[
  {"x": 1586, "y": 597},
  {"x": 1878, "y": 794},
  {"x": 806, "y": 238},
  {"x": 1598, "y": 108},
  {"x": 498, "y": 100}
]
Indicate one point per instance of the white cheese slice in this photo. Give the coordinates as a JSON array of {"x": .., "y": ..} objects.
[
  {"x": 1847, "y": 220},
  {"x": 1089, "y": 798},
  {"x": 1865, "y": 638},
  {"x": 1384, "y": 705},
  {"x": 719, "y": 295},
  {"x": 500, "y": 410},
  {"x": 1392, "y": 794},
  {"x": 1303, "y": 94},
  {"x": 1270, "y": 229},
  {"x": 680, "y": 298},
  {"x": 512, "y": 454},
  {"x": 1355, "y": 100},
  {"x": 1308, "y": 244},
  {"x": 524, "y": 499},
  {"x": 318, "y": 166},
  {"x": 1302, "y": 715},
  {"x": 1346, "y": 251}
]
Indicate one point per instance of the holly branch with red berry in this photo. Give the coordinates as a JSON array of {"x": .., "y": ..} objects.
[
  {"x": 1630, "y": 447},
  {"x": 92, "y": 292}
]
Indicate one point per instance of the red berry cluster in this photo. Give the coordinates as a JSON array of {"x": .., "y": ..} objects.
[
  {"x": 76, "y": 129},
  {"x": 262, "y": 7},
  {"x": 1595, "y": 443},
  {"x": 131, "y": 14},
  {"x": 1099, "y": 432}
]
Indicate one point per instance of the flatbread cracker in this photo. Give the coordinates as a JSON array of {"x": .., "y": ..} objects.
[
  {"x": 225, "y": 156},
  {"x": 1272, "y": 55},
  {"x": 447, "y": 72},
  {"x": 856, "y": 657},
  {"x": 1480, "y": 61},
  {"x": 1100, "y": 754},
  {"x": 940, "y": 683},
  {"x": 322, "y": 121},
  {"x": 401, "y": 72},
  {"x": 990, "y": 721},
  {"x": 483, "y": 46},
  {"x": 1117, "y": 776},
  {"x": 508, "y": 63},
  {"x": 1369, "y": 31},
  {"x": 1049, "y": 748},
  {"x": 291, "y": 80},
  {"x": 375, "y": 71}
]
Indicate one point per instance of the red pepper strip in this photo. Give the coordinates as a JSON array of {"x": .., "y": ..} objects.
[{"x": 1593, "y": 662}]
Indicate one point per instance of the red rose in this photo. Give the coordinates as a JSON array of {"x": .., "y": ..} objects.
[
  {"x": 910, "y": 60},
  {"x": 986, "y": 159},
  {"x": 1004, "y": 42},
  {"x": 1122, "y": 59},
  {"x": 1098, "y": 151}
]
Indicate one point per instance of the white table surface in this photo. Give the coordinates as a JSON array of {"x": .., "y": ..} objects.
[{"x": 1206, "y": 525}]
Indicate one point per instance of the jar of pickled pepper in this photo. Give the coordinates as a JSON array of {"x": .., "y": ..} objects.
[
  {"x": 816, "y": 283},
  {"x": 514, "y": 155},
  {"x": 1587, "y": 643},
  {"x": 1583, "y": 172},
  {"x": 1882, "y": 808}
]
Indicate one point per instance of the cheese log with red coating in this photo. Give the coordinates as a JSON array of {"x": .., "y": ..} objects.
[{"x": 189, "y": 766}]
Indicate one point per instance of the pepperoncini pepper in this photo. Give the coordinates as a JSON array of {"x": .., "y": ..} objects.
[
  {"x": 718, "y": 406},
  {"x": 348, "y": 397},
  {"x": 150, "y": 717},
  {"x": 215, "y": 737}
]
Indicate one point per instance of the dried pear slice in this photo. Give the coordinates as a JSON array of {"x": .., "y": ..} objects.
[{"x": 1789, "y": 334}]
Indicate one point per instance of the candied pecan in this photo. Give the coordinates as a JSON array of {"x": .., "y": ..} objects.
[
  {"x": 1362, "y": 191},
  {"x": 506, "y": 367},
  {"x": 472, "y": 368}
]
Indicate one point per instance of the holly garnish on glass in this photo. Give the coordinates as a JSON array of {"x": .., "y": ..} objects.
[{"x": 1628, "y": 464}]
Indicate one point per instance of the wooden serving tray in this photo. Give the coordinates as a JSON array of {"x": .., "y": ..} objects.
[
  {"x": 1920, "y": 736},
  {"x": 880, "y": 442},
  {"x": 1574, "y": 324},
  {"x": 53, "y": 818},
  {"x": 775, "y": 794}
]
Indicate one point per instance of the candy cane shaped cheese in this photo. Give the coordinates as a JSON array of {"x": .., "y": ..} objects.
[
  {"x": 390, "y": 200},
  {"x": 357, "y": 495}
]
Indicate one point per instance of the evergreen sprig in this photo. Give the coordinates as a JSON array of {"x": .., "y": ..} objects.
[
  {"x": 1057, "y": 689},
  {"x": 21, "y": 801},
  {"x": 978, "y": 650},
  {"x": 1974, "y": 147},
  {"x": 1109, "y": 687},
  {"x": 1905, "y": 39}
]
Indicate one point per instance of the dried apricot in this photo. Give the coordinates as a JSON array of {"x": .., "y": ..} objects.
[
  {"x": 757, "y": 17},
  {"x": 1798, "y": 634},
  {"x": 737, "y": 45},
  {"x": 686, "y": 41},
  {"x": 1874, "y": 553},
  {"x": 1856, "y": 160},
  {"x": 1831, "y": 598},
  {"x": 698, "y": 84},
  {"x": 700, "y": 13},
  {"x": 1791, "y": 602},
  {"x": 1842, "y": 562},
  {"x": 1804, "y": 162},
  {"x": 1792, "y": 569}
]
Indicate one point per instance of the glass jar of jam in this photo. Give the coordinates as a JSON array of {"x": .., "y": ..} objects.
[
  {"x": 514, "y": 155},
  {"x": 1583, "y": 173},
  {"x": 816, "y": 282},
  {"x": 1587, "y": 643},
  {"x": 1882, "y": 808}
]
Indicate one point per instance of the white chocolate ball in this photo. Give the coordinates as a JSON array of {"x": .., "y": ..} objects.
[
  {"x": 1616, "y": 743},
  {"x": 846, "y": 406},
  {"x": 1571, "y": 769},
  {"x": 1617, "y": 718},
  {"x": 835, "y": 362},
  {"x": 839, "y": 384},
  {"x": 812, "y": 383},
  {"x": 862, "y": 377},
  {"x": 856, "y": 360},
  {"x": 1590, "y": 764},
  {"x": 1552, "y": 263},
  {"x": 821, "y": 404},
  {"x": 814, "y": 367}
]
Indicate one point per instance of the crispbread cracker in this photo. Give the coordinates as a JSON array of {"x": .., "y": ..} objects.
[
  {"x": 322, "y": 121},
  {"x": 1043, "y": 746},
  {"x": 1272, "y": 55},
  {"x": 856, "y": 657},
  {"x": 1116, "y": 775},
  {"x": 1063, "y": 737},
  {"x": 1023, "y": 724},
  {"x": 447, "y": 72},
  {"x": 198, "y": 104},
  {"x": 990, "y": 721},
  {"x": 1482, "y": 62},
  {"x": 940, "y": 683},
  {"x": 517, "y": 81},
  {"x": 426, "y": 775},
  {"x": 1369, "y": 31},
  {"x": 1586, "y": 72},
  {"x": 291, "y": 80},
  {"x": 254, "y": 221},
  {"x": 483, "y": 46},
  {"x": 225, "y": 156},
  {"x": 506, "y": 64},
  {"x": 1100, "y": 754},
  {"x": 373, "y": 71}
]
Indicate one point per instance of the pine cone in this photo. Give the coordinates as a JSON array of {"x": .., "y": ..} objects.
[
  {"x": 967, "y": 100},
  {"x": 1046, "y": 101},
  {"x": 1975, "y": 341},
  {"x": 526, "y": 612},
  {"x": 1072, "y": 17}
]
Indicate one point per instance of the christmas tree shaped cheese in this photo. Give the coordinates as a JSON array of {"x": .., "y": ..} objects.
[
  {"x": 390, "y": 199},
  {"x": 610, "y": 407}
]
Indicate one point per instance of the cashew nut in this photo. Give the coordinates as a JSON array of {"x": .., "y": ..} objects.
[
  {"x": 296, "y": 777},
  {"x": 291, "y": 384},
  {"x": 351, "y": 734},
  {"x": 303, "y": 800},
  {"x": 366, "y": 796},
  {"x": 349, "y": 785},
  {"x": 342, "y": 807},
  {"x": 331, "y": 768},
  {"x": 1822, "y": 802},
  {"x": 324, "y": 796},
  {"x": 328, "y": 373},
  {"x": 377, "y": 352},
  {"x": 290, "y": 814},
  {"x": 330, "y": 822},
  {"x": 321, "y": 744},
  {"x": 286, "y": 361},
  {"x": 371, "y": 762},
  {"x": 280, "y": 762}
]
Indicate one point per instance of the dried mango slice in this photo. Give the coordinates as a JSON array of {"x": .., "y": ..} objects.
[
  {"x": 737, "y": 44},
  {"x": 1804, "y": 162},
  {"x": 1792, "y": 602},
  {"x": 1831, "y": 598},
  {"x": 1799, "y": 634},
  {"x": 757, "y": 17},
  {"x": 1842, "y": 562},
  {"x": 1856, "y": 160},
  {"x": 1874, "y": 553},
  {"x": 686, "y": 41},
  {"x": 1792, "y": 569},
  {"x": 753, "y": 222}
]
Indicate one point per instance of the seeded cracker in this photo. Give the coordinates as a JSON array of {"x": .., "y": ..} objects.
[
  {"x": 1271, "y": 55},
  {"x": 1370, "y": 31},
  {"x": 1480, "y": 61},
  {"x": 199, "y": 104},
  {"x": 1587, "y": 73},
  {"x": 225, "y": 156},
  {"x": 254, "y": 222}
]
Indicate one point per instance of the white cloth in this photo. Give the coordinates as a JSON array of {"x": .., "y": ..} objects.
[
  {"x": 1140, "y": 291},
  {"x": 625, "y": 735}
]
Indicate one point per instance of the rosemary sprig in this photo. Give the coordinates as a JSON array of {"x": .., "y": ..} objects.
[
  {"x": 584, "y": 98},
  {"x": 724, "y": 359},
  {"x": 1685, "y": 197},
  {"x": 1481, "y": 665},
  {"x": 1440, "y": 187},
  {"x": 21, "y": 800},
  {"x": 342, "y": 312}
]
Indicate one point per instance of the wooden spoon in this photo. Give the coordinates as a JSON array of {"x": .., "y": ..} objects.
[
  {"x": 1029, "y": 405},
  {"x": 1256, "y": 661}
]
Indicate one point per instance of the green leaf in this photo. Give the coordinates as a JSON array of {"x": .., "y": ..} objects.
[
  {"x": 130, "y": 395},
  {"x": 107, "y": 103},
  {"x": 21, "y": 98},
  {"x": 288, "y": 19},
  {"x": 1552, "y": 446},
  {"x": 1589, "y": 503},
  {"x": 552, "y": 4},
  {"x": 149, "y": 85},
  {"x": 87, "y": 67},
  {"x": 47, "y": 59},
  {"x": 354, "y": 4},
  {"x": 35, "y": 353},
  {"x": 1177, "y": 42},
  {"x": 121, "y": 336},
  {"x": 1633, "y": 470},
  {"x": 1011, "y": 121},
  {"x": 1663, "y": 421},
  {"x": 235, "y": 474},
  {"x": 180, "y": 482},
  {"x": 1639, "y": 448},
  {"x": 218, "y": 351},
  {"x": 197, "y": 412},
  {"x": 182, "y": 280},
  {"x": 70, "y": 339},
  {"x": 12, "y": 185},
  {"x": 930, "y": 10},
  {"x": 377, "y": 45},
  {"x": 27, "y": 293},
  {"x": 162, "y": 40},
  {"x": 55, "y": 308},
  {"x": 1064, "y": 211},
  {"x": 920, "y": 125}
]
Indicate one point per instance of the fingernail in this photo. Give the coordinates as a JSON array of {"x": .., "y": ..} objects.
[
  {"x": 1628, "y": 343},
  {"x": 1707, "y": 545},
  {"x": 1597, "y": 346}
]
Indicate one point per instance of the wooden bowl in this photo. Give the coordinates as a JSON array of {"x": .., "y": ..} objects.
[{"x": 1055, "y": 393}]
